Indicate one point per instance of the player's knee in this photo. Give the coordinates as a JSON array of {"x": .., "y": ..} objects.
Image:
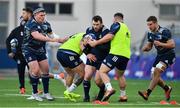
[
  {"x": 87, "y": 77},
  {"x": 160, "y": 67}
]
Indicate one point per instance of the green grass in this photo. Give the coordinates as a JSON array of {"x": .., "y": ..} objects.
[{"x": 10, "y": 97}]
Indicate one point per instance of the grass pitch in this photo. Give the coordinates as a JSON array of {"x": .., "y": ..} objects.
[{"x": 10, "y": 97}]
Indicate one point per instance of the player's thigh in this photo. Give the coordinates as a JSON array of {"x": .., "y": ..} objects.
[
  {"x": 104, "y": 68},
  {"x": 89, "y": 70},
  {"x": 44, "y": 66},
  {"x": 34, "y": 67},
  {"x": 119, "y": 73},
  {"x": 80, "y": 69}
]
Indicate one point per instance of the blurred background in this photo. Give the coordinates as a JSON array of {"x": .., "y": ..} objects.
[{"x": 71, "y": 16}]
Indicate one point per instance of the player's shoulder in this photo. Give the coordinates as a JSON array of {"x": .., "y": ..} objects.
[
  {"x": 89, "y": 29},
  {"x": 47, "y": 23},
  {"x": 104, "y": 28},
  {"x": 31, "y": 23},
  {"x": 115, "y": 25},
  {"x": 164, "y": 30}
]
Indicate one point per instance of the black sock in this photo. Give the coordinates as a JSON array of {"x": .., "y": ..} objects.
[
  {"x": 101, "y": 92},
  {"x": 166, "y": 87},
  {"x": 45, "y": 81},
  {"x": 149, "y": 91},
  {"x": 34, "y": 83},
  {"x": 86, "y": 85}
]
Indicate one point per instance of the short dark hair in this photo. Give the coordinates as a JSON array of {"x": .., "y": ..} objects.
[
  {"x": 97, "y": 18},
  {"x": 152, "y": 18},
  {"x": 38, "y": 9},
  {"x": 28, "y": 9},
  {"x": 119, "y": 15}
]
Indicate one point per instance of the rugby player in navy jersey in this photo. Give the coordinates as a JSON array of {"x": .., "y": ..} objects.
[
  {"x": 95, "y": 58},
  {"x": 37, "y": 32},
  {"x": 118, "y": 56},
  {"x": 161, "y": 38}
]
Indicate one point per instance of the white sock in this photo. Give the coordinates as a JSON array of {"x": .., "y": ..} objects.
[
  {"x": 56, "y": 76},
  {"x": 72, "y": 87},
  {"x": 108, "y": 86},
  {"x": 122, "y": 93}
]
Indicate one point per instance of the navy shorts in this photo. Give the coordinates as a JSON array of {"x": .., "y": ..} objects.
[
  {"x": 96, "y": 64},
  {"x": 117, "y": 61},
  {"x": 68, "y": 60},
  {"x": 32, "y": 56},
  {"x": 168, "y": 59}
]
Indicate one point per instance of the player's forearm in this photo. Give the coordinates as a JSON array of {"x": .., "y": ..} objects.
[
  {"x": 168, "y": 45},
  {"x": 105, "y": 39},
  {"x": 39, "y": 36},
  {"x": 146, "y": 48}
]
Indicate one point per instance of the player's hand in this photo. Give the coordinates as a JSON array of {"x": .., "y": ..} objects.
[
  {"x": 11, "y": 55},
  {"x": 92, "y": 43},
  {"x": 91, "y": 57},
  {"x": 157, "y": 43},
  {"x": 64, "y": 39}
]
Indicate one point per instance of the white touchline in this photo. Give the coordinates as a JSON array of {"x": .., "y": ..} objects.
[{"x": 26, "y": 95}]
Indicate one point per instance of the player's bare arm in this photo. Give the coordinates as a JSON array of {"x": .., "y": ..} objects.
[
  {"x": 170, "y": 44},
  {"x": 105, "y": 39},
  {"x": 56, "y": 37},
  {"x": 39, "y": 36},
  {"x": 147, "y": 47}
]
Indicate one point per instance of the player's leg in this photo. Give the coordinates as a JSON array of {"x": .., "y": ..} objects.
[
  {"x": 69, "y": 77},
  {"x": 101, "y": 86},
  {"x": 89, "y": 70},
  {"x": 34, "y": 75},
  {"x": 164, "y": 86},
  {"x": 70, "y": 85},
  {"x": 44, "y": 66},
  {"x": 122, "y": 85},
  {"x": 21, "y": 71},
  {"x": 80, "y": 71},
  {"x": 106, "y": 80},
  {"x": 160, "y": 67},
  {"x": 60, "y": 76}
]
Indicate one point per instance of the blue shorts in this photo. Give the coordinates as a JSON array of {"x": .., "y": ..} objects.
[
  {"x": 168, "y": 59},
  {"x": 32, "y": 56},
  {"x": 117, "y": 61},
  {"x": 67, "y": 59}
]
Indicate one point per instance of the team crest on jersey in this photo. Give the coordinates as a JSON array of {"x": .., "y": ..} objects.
[
  {"x": 100, "y": 36},
  {"x": 29, "y": 58},
  {"x": 45, "y": 27},
  {"x": 159, "y": 37},
  {"x": 39, "y": 27}
]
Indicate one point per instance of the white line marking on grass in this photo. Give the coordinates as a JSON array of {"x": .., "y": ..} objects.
[
  {"x": 8, "y": 90},
  {"x": 137, "y": 104},
  {"x": 91, "y": 104},
  {"x": 27, "y": 95}
]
